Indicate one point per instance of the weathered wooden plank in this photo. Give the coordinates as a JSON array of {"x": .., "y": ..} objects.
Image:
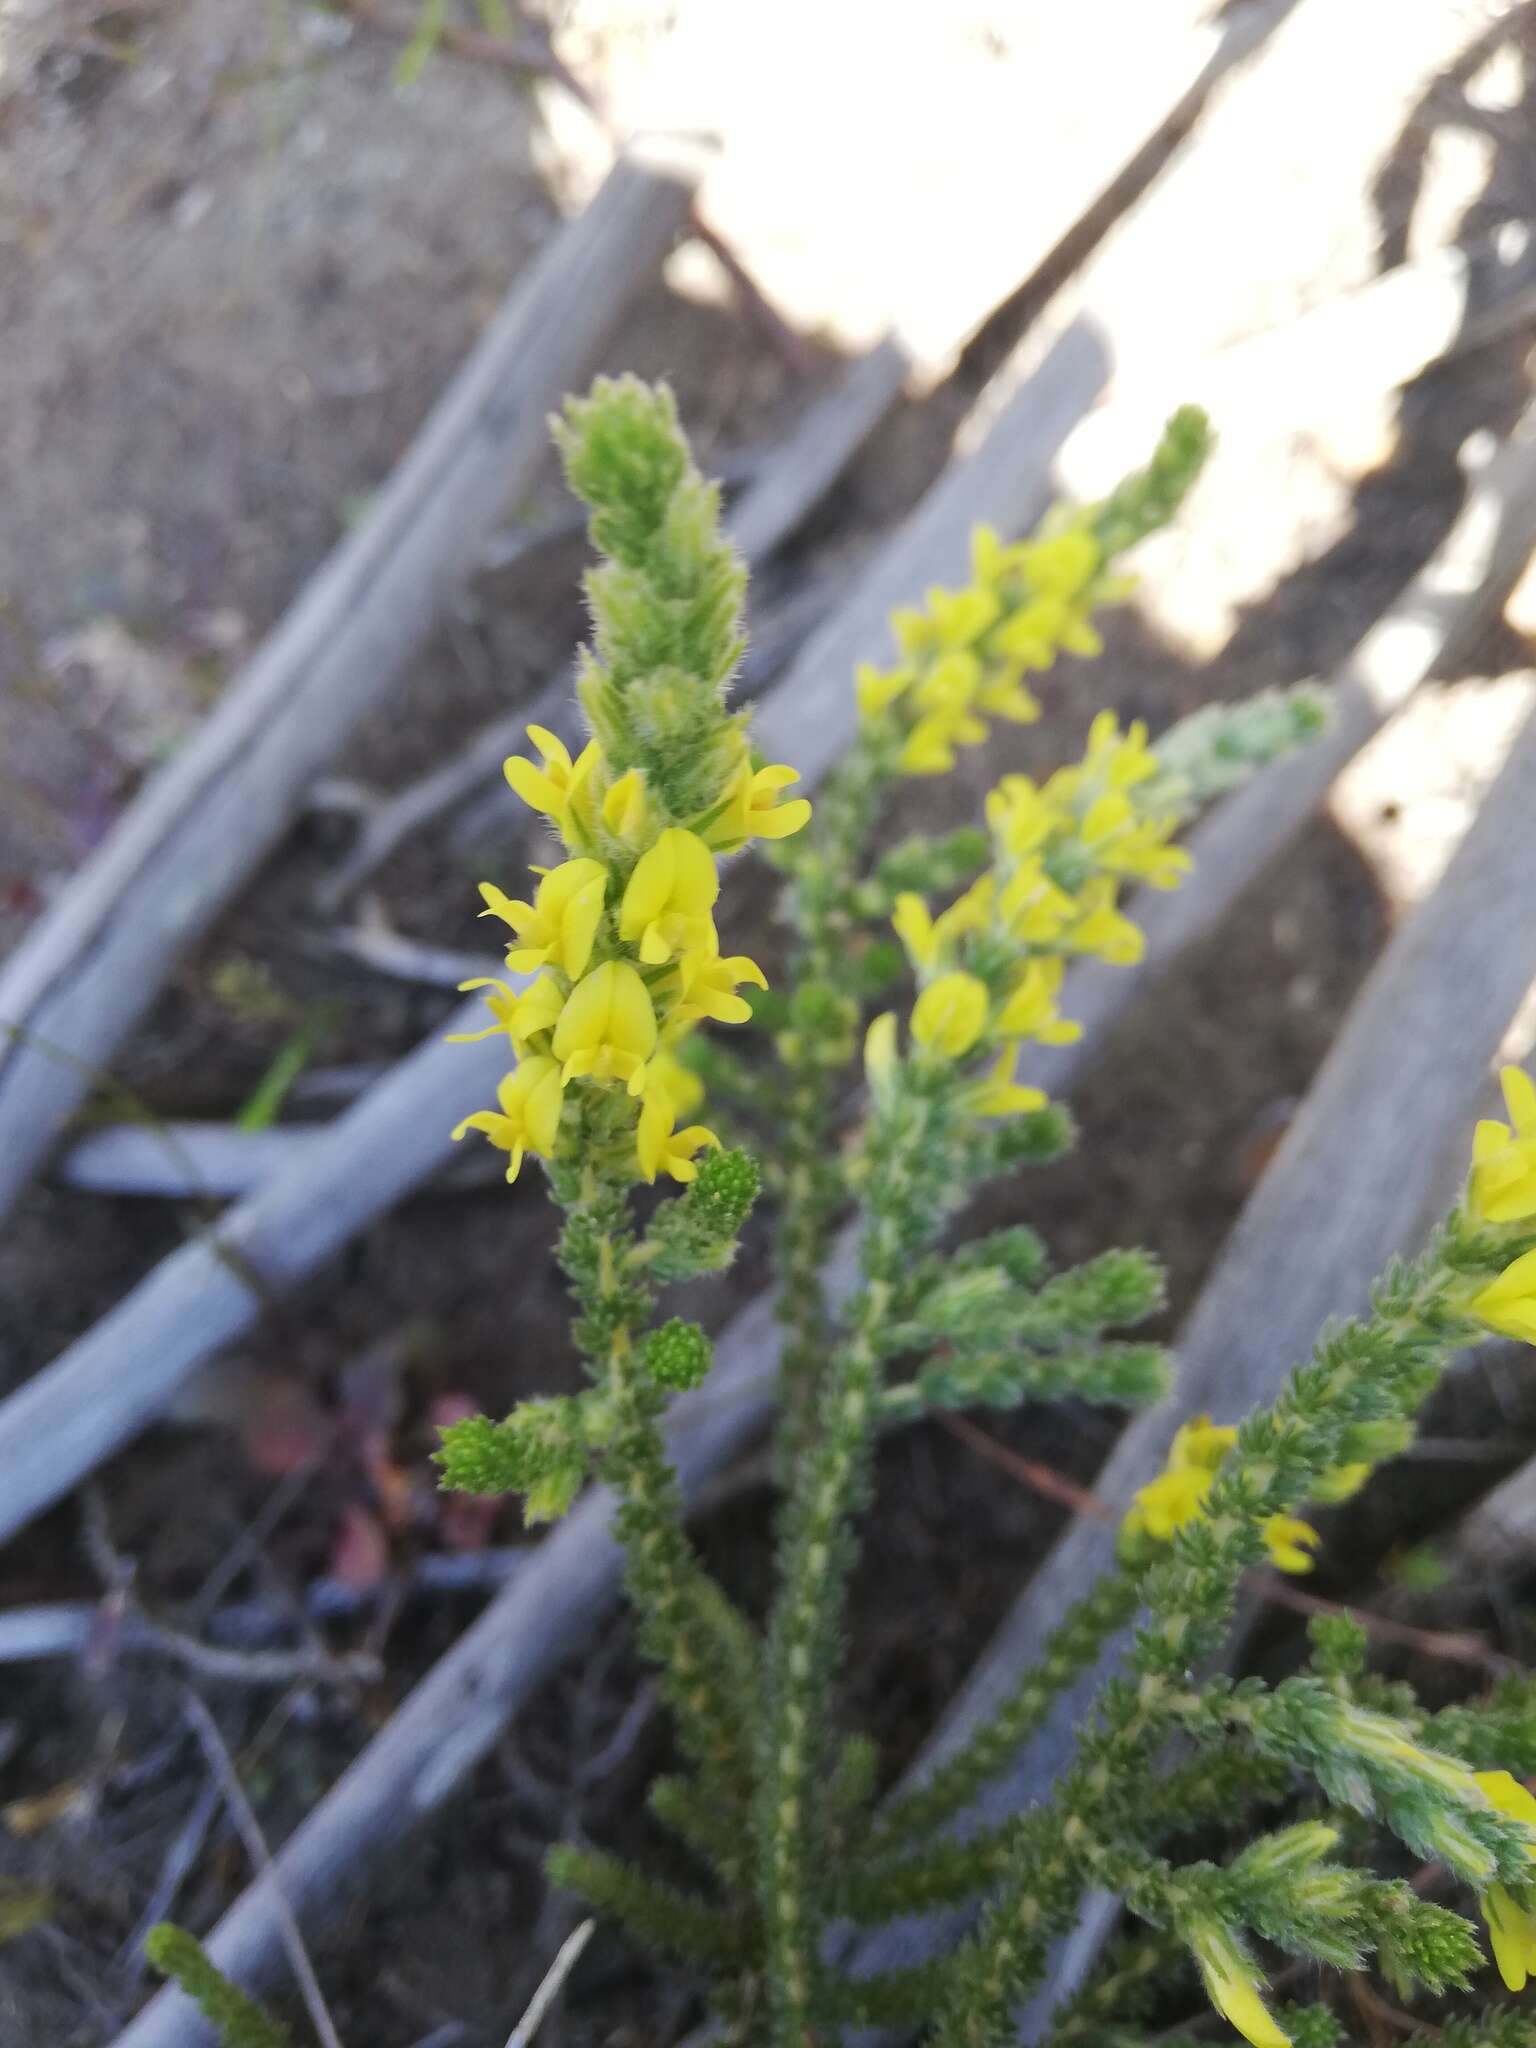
[{"x": 93, "y": 963}]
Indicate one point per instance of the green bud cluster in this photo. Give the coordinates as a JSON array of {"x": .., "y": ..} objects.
[
  {"x": 697, "y": 1232},
  {"x": 667, "y": 599},
  {"x": 678, "y": 1355},
  {"x": 1150, "y": 497}
]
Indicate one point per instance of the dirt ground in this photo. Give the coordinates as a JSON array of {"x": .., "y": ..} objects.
[{"x": 236, "y": 266}]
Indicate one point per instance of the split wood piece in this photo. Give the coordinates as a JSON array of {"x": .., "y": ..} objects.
[
  {"x": 787, "y": 489},
  {"x": 1359, "y": 1178},
  {"x": 195, "y": 835},
  {"x": 116, "y": 1378}
]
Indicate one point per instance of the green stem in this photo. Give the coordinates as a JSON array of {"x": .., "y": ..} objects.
[{"x": 677, "y": 1605}]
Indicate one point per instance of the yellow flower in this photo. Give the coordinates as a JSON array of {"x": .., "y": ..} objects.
[
  {"x": 1200, "y": 1444},
  {"x": 999, "y": 1094},
  {"x": 1504, "y": 1160},
  {"x": 1103, "y": 930},
  {"x": 560, "y": 924},
  {"x": 1116, "y": 760},
  {"x": 521, "y": 1014},
  {"x": 1232, "y": 1986},
  {"x": 914, "y": 926},
  {"x": 993, "y": 559},
  {"x": 930, "y": 745},
  {"x": 1003, "y": 695},
  {"x": 531, "y": 1097},
  {"x": 950, "y": 682},
  {"x": 670, "y": 895},
  {"x": 1062, "y": 571},
  {"x": 1289, "y": 1542},
  {"x": 626, "y": 812},
  {"x": 684, "y": 1088},
  {"x": 708, "y": 984},
  {"x": 1030, "y": 1010},
  {"x": 660, "y": 1148},
  {"x": 877, "y": 689},
  {"x": 1163, "y": 1506},
  {"x": 927, "y": 939},
  {"x": 951, "y": 1014},
  {"x": 1508, "y": 1304},
  {"x": 1020, "y": 817},
  {"x": 1511, "y": 1926},
  {"x": 954, "y": 618},
  {"x": 1342, "y": 1482},
  {"x": 1032, "y": 908},
  {"x": 557, "y": 787},
  {"x": 607, "y": 1030},
  {"x": 752, "y": 809}
]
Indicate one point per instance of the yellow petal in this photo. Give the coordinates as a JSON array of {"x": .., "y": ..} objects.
[
  {"x": 951, "y": 1014},
  {"x": 1520, "y": 1100}
]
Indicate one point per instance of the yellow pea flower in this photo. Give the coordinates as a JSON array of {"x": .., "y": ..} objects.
[
  {"x": 926, "y": 938},
  {"x": 1290, "y": 1542},
  {"x": 521, "y": 1014},
  {"x": 708, "y": 984},
  {"x": 1103, "y": 930},
  {"x": 1030, "y": 1010},
  {"x": 1163, "y": 1506},
  {"x": 953, "y": 618},
  {"x": 607, "y": 1029},
  {"x": 1032, "y": 908},
  {"x": 667, "y": 904},
  {"x": 1115, "y": 759},
  {"x": 1504, "y": 1159},
  {"x": 626, "y": 811},
  {"x": 993, "y": 559},
  {"x": 930, "y": 745},
  {"x": 752, "y": 809},
  {"x": 913, "y": 924},
  {"x": 683, "y": 1086},
  {"x": 1511, "y": 1926},
  {"x": 1232, "y": 1985},
  {"x": 951, "y": 1014},
  {"x": 1020, "y": 817},
  {"x": 1508, "y": 1304},
  {"x": 950, "y": 682},
  {"x": 531, "y": 1097},
  {"x": 556, "y": 787},
  {"x": 999, "y": 1094},
  {"x": 560, "y": 924},
  {"x": 877, "y": 689},
  {"x": 659, "y": 1147},
  {"x": 1004, "y": 695},
  {"x": 1200, "y": 1444},
  {"x": 1342, "y": 1483}
]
